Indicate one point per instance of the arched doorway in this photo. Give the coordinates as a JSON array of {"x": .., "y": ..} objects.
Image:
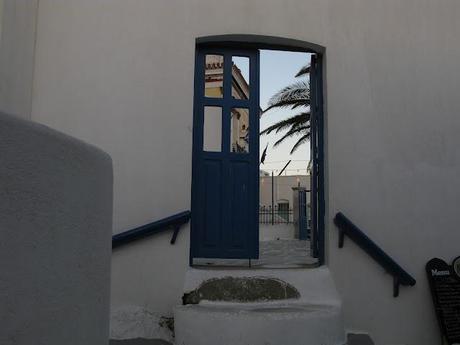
[{"x": 225, "y": 189}]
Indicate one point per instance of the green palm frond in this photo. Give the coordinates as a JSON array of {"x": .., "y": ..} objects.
[
  {"x": 303, "y": 71},
  {"x": 299, "y": 104},
  {"x": 301, "y": 141},
  {"x": 299, "y": 119},
  {"x": 297, "y": 94},
  {"x": 288, "y": 103},
  {"x": 292, "y": 132}
]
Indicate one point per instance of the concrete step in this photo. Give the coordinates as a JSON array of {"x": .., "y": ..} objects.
[{"x": 259, "y": 307}]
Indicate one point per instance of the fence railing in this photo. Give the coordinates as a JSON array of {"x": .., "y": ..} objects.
[{"x": 277, "y": 215}]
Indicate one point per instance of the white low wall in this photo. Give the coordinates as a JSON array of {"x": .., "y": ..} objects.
[
  {"x": 150, "y": 273},
  {"x": 147, "y": 283},
  {"x": 55, "y": 224}
]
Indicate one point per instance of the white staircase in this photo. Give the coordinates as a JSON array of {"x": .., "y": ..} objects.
[{"x": 313, "y": 318}]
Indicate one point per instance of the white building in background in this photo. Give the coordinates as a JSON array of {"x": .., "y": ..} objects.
[
  {"x": 283, "y": 188},
  {"x": 121, "y": 75}
]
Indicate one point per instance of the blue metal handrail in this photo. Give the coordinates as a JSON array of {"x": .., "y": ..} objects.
[
  {"x": 173, "y": 222},
  {"x": 400, "y": 276}
]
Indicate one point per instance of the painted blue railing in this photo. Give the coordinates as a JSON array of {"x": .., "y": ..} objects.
[
  {"x": 400, "y": 276},
  {"x": 173, "y": 222}
]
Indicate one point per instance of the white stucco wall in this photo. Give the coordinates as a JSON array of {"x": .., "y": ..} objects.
[
  {"x": 17, "y": 52},
  {"x": 1, "y": 20},
  {"x": 119, "y": 74},
  {"x": 392, "y": 156},
  {"x": 55, "y": 224}
]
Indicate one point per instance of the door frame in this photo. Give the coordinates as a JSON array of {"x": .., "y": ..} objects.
[{"x": 243, "y": 41}]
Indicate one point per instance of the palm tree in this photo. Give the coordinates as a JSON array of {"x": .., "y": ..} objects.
[{"x": 294, "y": 96}]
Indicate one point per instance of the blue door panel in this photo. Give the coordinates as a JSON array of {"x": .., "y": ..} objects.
[
  {"x": 212, "y": 207},
  {"x": 240, "y": 225},
  {"x": 225, "y": 188}
]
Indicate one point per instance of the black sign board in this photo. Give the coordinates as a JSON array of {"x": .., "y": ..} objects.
[{"x": 445, "y": 290}]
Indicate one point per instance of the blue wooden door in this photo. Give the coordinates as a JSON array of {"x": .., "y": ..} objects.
[
  {"x": 317, "y": 152},
  {"x": 225, "y": 189}
]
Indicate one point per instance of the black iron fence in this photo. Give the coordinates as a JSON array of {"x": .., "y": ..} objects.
[{"x": 277, "y": 215}]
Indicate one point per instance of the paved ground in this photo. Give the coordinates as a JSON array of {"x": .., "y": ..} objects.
[
  {"x": 284, "y": 253},
  {"x": 139, "y": 342},
  {"x": 272, "y": 254}
]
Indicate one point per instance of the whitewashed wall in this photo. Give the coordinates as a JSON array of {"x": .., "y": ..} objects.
[
  {"x": 55, "y": 225},
  {"x": 17, "y": 55},
  {"x": 1, "y": 20},
  {"x": 119, "y": 74},
  {"x": 393, "y": 118}
]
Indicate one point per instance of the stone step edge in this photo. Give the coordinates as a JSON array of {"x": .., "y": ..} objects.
[{"x": 289, "y": 303}]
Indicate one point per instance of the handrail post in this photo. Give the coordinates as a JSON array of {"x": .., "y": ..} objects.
[
  {"x": 341, "y": 238},
  {"x": 175, "y": 233},
  {"x": 396, "y": 284}
]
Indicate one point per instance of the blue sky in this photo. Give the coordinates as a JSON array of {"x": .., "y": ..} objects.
[{"x": 277, "y": 70}]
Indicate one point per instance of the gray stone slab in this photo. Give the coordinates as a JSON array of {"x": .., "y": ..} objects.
[{"x": 241, "y": 289}]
